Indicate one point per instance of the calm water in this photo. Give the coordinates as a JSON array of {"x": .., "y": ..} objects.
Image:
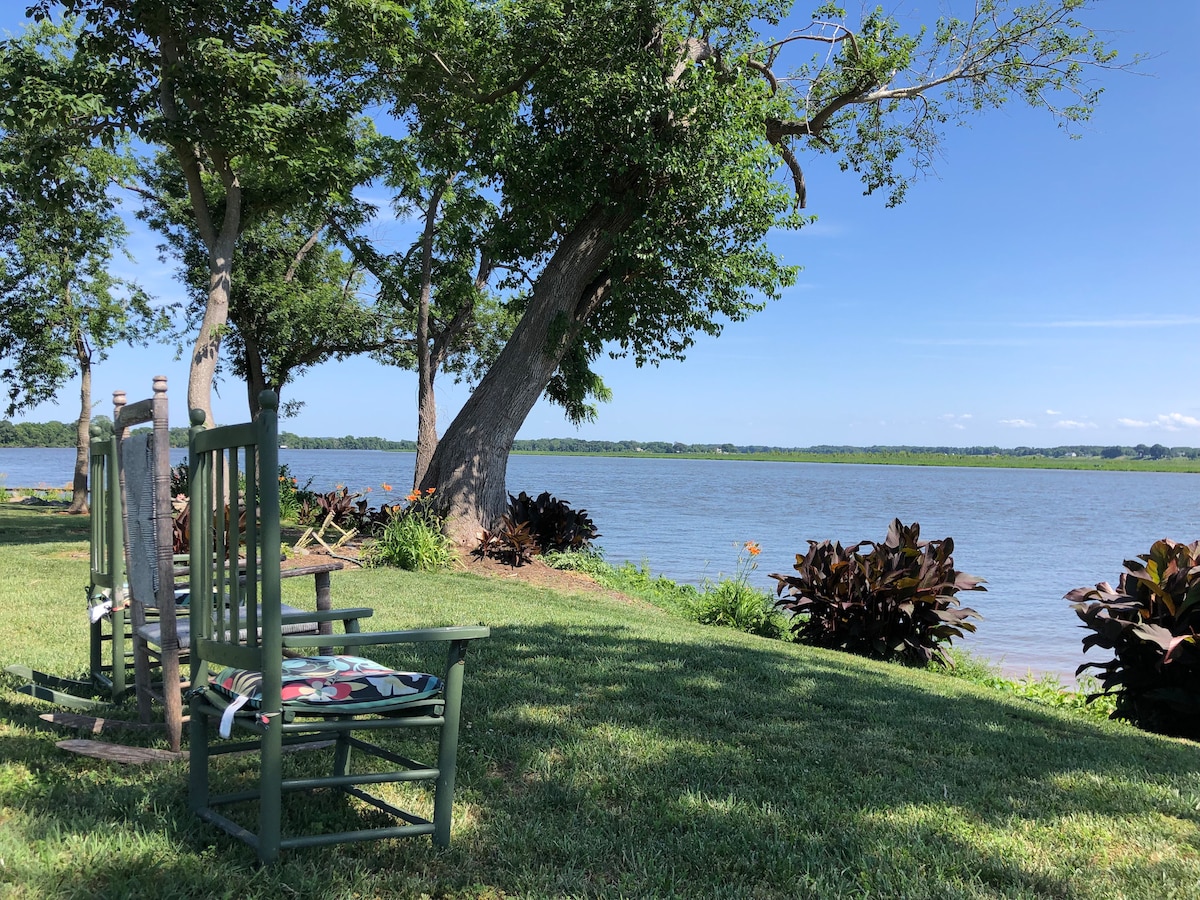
[{"x": 1032, "y": 534}]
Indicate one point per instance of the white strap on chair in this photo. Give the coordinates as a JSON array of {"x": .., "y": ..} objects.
[{"x": 226, "y": 727}]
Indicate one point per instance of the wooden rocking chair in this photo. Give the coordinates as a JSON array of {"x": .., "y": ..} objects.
[{"x": 241, "y": 679}]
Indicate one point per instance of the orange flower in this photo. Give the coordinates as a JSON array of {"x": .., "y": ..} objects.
[
  {"x": 430, "y": 490},
  {"x": 413, "y": 497},
  {"x": 752, "y": 548},
  {"x": 386, "y": 486}
]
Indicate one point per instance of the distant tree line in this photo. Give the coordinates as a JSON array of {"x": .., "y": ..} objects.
[{"x": 62, "y": 434}]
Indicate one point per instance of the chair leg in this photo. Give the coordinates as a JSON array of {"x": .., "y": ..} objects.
[
  {"x": 141, "y": 679},
  {"x": 443, "y": 794},
  {"x": 270, "y": 780},
  {"x": 118, "y": 622},
  {"x": 341, "y": 754},
  {"x": 172, "y": 699},
  {"x": 197, "y": 760}
]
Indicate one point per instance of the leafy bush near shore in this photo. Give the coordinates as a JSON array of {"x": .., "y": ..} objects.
[
  {"x": 895, "y": 602},
  {"x": 411, "y": 538},
  {"x": 1150, "y": 621},
  {"x": 552, "y": 522},
  {"x": 534, "y": 526}
]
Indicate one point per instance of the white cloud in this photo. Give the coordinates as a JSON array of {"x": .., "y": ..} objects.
[
  {"x": 1179, "y": 420},
  {"x": 1070, "y": 423},
  {"x": 1018, "y": 423},
  {"x": 1167, "y": 422},
  {"x": 1053, "y": 412},
  {"x": 958, "y": 426}
]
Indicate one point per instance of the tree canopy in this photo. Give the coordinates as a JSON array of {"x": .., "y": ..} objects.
[{"x": 602, "y": 176}]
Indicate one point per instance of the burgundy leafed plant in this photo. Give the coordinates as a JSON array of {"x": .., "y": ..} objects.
[
  {"x": 1150, "y": 621},
  {"x": 895, "y": 601}
]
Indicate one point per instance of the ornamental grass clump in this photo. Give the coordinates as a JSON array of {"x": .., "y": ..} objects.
[
  {"x": 734, "y": 603},
  {"x": 1150, "y": 622},
  {"x": 897, "y": 601},
  {"x": 413, "y": 538}
]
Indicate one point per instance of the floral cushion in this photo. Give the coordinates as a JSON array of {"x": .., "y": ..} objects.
[{"x": 331, "y": 684}]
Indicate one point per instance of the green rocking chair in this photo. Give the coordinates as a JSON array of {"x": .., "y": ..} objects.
[{"x": 247, "y": 674}]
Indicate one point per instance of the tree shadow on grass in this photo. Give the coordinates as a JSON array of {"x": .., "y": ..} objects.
[
  {"x": 20, "y": 524},
  {"x": 596, "y": 760}
]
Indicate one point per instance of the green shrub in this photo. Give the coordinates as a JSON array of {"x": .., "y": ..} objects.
[
  {"x": 588, "y": 560},
  {"x": 733, "y": 603},
  {"x": 291, "y": 494},
  {"x": 895, "y": 602},
  {"x": 1044, "y": 690},
  {"x": 1150, "y": 622},
  {"x": 414, "y": 540}
]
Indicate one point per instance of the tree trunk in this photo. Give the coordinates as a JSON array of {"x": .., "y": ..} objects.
[
  {"x": 256, "y": 378},
  {"x": 79, "y": 485},
  {"x": 469, "y": 466},
  {"x": 208, "y": 341},
  {"x": 427, "y": 437}
]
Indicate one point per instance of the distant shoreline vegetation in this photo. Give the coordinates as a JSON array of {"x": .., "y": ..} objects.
[{"x": 1141, "y": 457}]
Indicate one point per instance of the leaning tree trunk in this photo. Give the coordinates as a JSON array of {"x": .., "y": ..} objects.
[
  {"x": 469, "y": 466},
  {"x": 79, "y": 484}
]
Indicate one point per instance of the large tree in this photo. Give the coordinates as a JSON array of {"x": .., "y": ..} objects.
[
  {"x": 232, "y": 90},
  {"x": 61, "y": 309},
  {"x": 641, "y": 152}
]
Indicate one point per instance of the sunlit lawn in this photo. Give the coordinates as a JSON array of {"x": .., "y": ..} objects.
[{"x": 614, "y": 750}]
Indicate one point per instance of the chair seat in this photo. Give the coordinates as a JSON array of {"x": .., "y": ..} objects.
[
  {"x": 319, "y": 685},
  {"x": 152, "y": 631}
]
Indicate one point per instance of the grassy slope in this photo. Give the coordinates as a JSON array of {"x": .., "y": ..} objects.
[{"x": 612, "y": 750}]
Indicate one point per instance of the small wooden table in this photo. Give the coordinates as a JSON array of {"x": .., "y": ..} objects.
[{"x": 295, "y": 568}]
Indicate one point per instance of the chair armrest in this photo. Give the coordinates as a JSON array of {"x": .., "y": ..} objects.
[{"x": 461, "y": 633}]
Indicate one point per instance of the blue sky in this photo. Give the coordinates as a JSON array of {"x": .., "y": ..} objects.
[{"x": 1038, "y": 291}]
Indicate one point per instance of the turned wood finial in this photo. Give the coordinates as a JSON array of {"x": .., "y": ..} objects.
[
  {"x": 160, "y": 384},
  {"x": 268, "y": 400},
  {"x": 196, "y": 417},
  {"x": 118, "y": 403}
]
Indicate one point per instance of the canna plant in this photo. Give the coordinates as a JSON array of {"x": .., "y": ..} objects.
[
  {"x": 1150, "y": 622},
  {"x": 551, "y": 522},
  {"x": 896, "y": 601}
]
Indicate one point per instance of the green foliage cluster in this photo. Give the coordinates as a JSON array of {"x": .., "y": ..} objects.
[
  {"x": 1044, "y": 690},
  {"x": 894, "y": 602},
  {"x": 1151, "y": 622},
  {"x": 733, "y": 603},
  {"x": 412, "y": 538}
]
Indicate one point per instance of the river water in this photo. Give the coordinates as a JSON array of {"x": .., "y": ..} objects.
[{"x": 1033, "y": 534}]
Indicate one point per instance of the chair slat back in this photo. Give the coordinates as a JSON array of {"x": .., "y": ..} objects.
[
  {"x": 107, "y": 545},
  {"x": 235, "y": 538},
  {"x": 144, "y": 476}
]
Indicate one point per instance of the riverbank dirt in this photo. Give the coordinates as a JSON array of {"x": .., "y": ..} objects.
[{"x": 535, "y": 573}]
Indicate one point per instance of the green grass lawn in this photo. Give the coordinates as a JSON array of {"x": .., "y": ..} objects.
[{"x": 612, "y": 749}]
